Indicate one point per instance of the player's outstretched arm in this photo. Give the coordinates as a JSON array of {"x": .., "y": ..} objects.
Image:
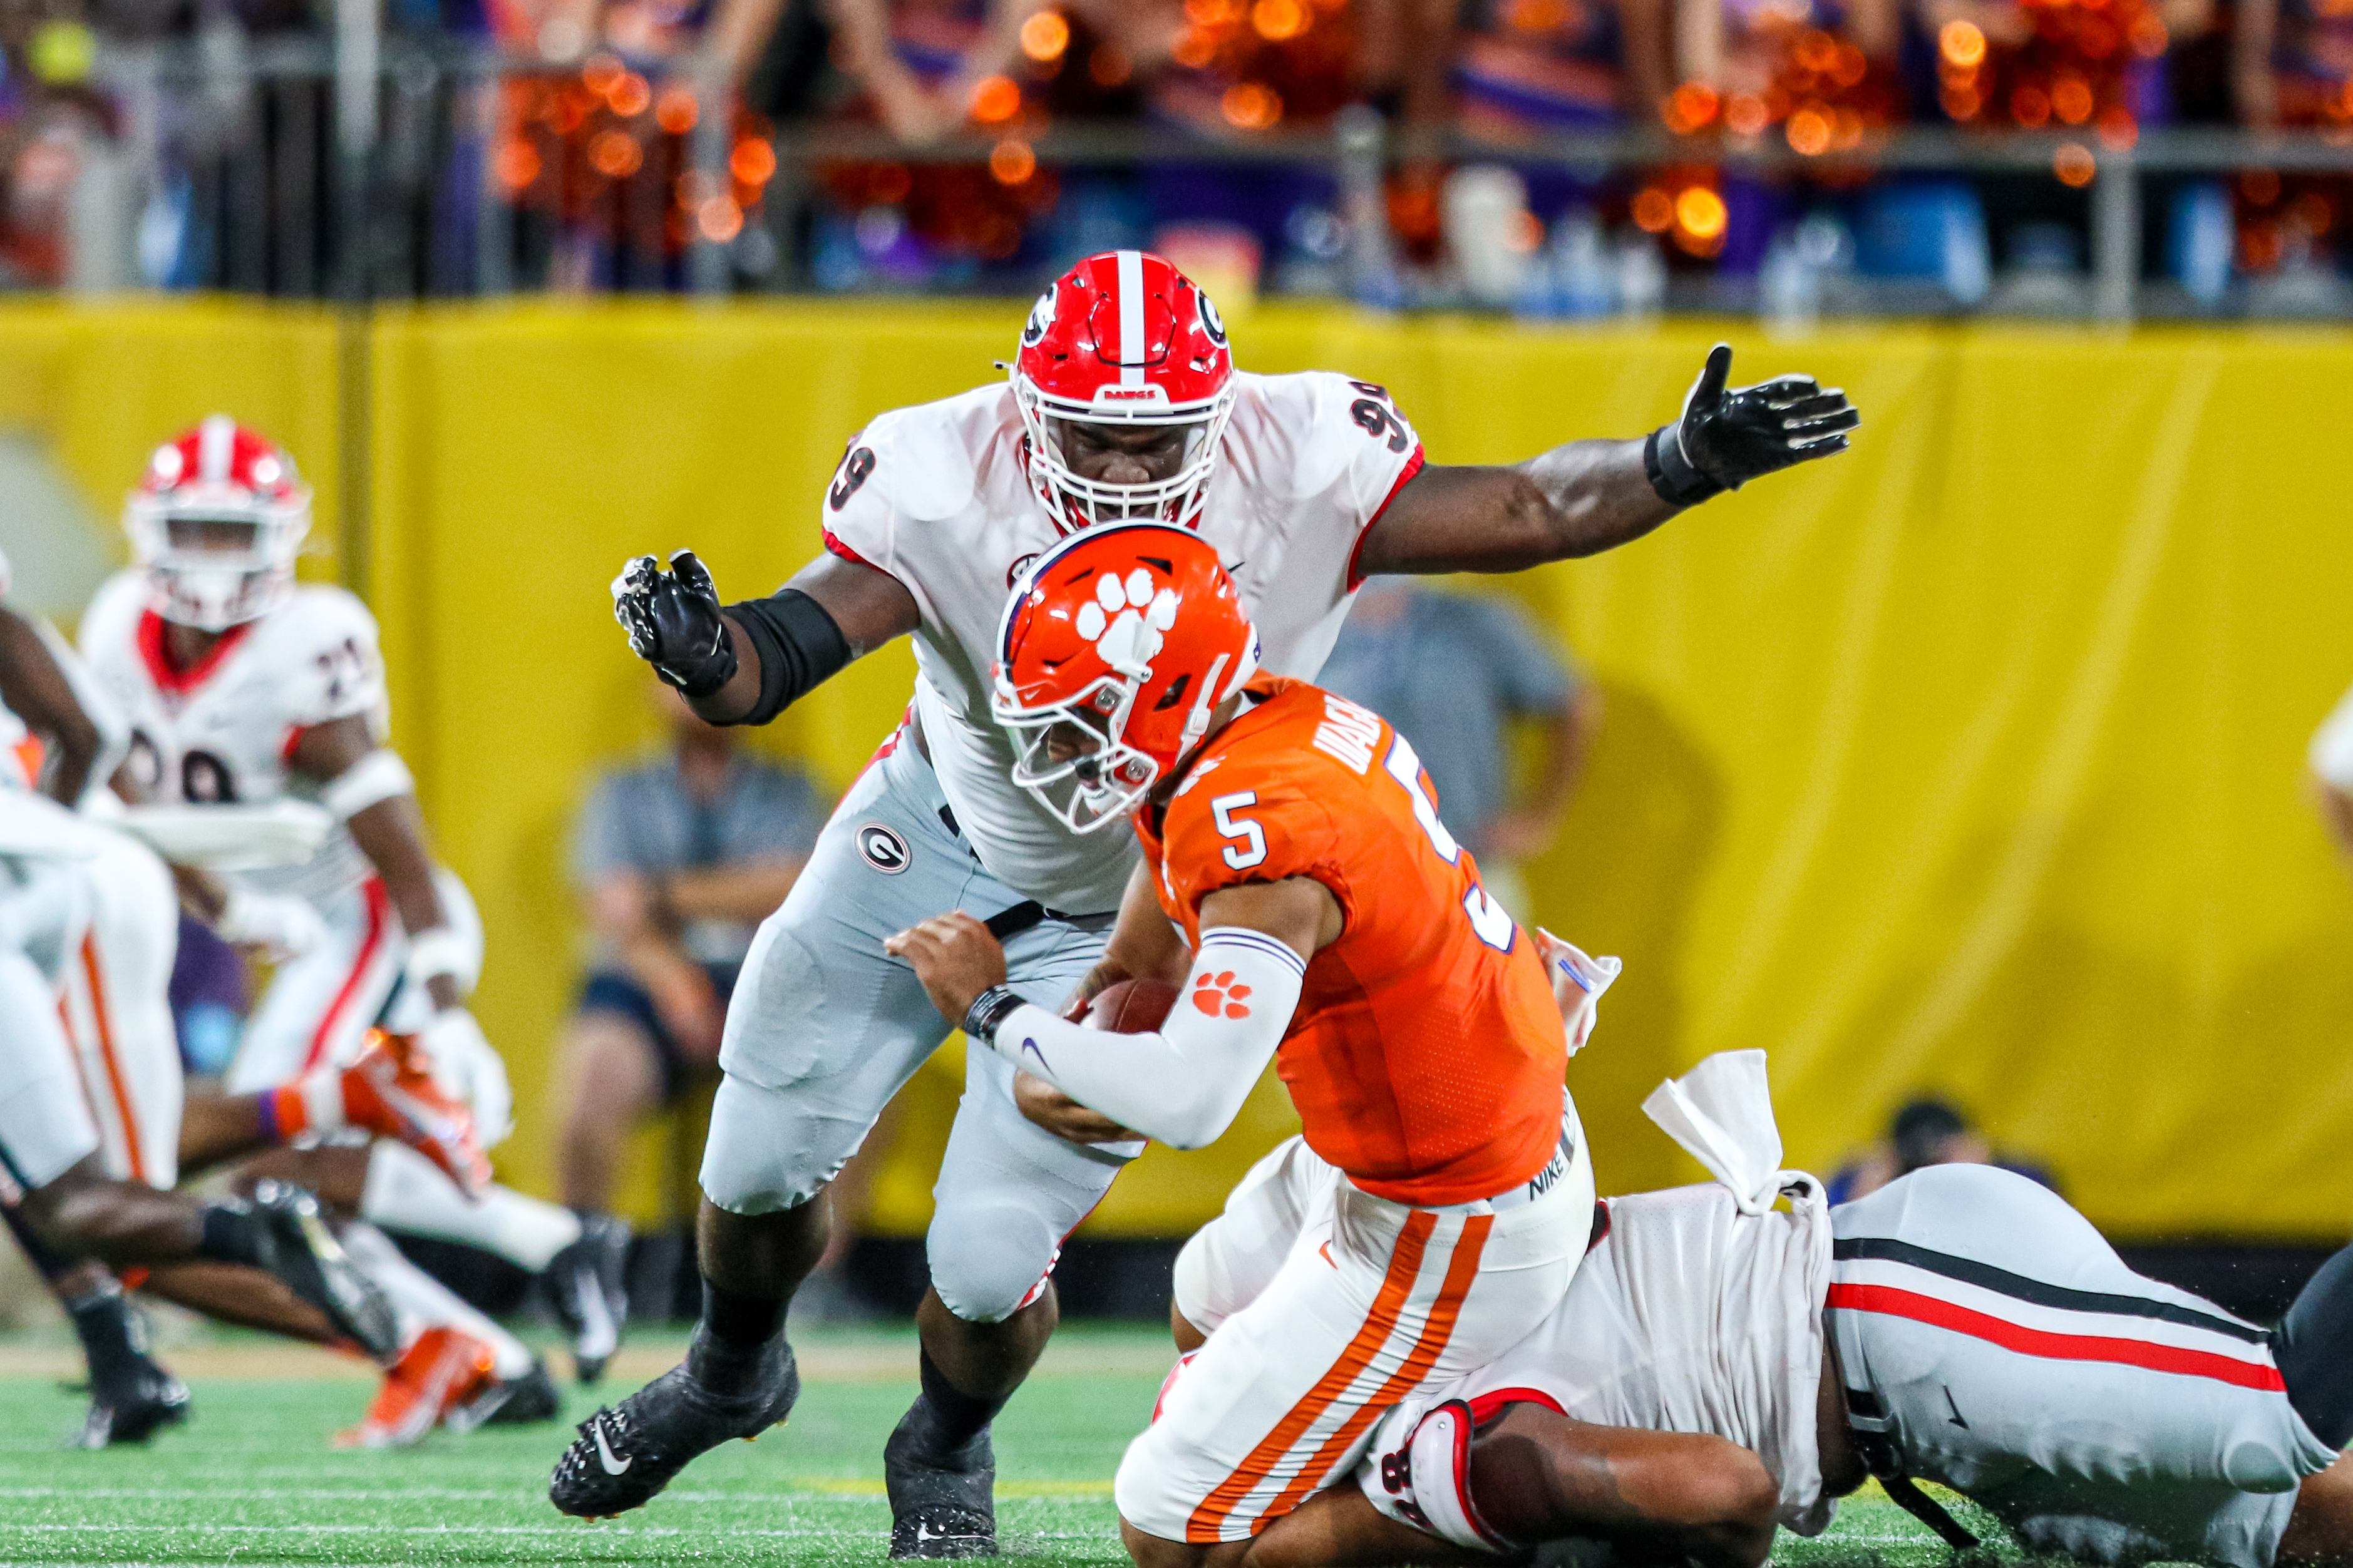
[
  {"x": 37, "y": 691},
  {"x": 1591, "y": 496},
  {"x": 745, "y": 663}
]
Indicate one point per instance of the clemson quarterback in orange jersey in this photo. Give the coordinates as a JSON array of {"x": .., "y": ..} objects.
[{"x": 1298, "y": 879}]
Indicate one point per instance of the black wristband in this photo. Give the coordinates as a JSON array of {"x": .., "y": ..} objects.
[
  {"x": 1671, "y": 473},
  {"x": 799, "y": 646},
  {"x": 989, "y": 1009}
]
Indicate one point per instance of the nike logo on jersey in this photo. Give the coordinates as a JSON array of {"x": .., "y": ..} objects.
[
  {"x": 613, "y": 1467},
  {"x": 1956, "y": 1409}
]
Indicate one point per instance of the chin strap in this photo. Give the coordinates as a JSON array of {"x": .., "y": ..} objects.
[{"x": 1866, "y": 1424}]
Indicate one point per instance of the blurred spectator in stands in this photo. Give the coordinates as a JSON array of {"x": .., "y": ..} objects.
[
  {"x": 2292, "y": 67},
  {"x": 677, "y": 860},
  {"x": 2057, "y": 65},
  {"x": 1927, "y": 1131},
  {"x": 2331, "y": 758},
  {"x": 1451, "y": 672}
]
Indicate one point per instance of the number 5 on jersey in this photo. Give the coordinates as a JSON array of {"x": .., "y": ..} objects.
[{"x": 1489, "y": 920}]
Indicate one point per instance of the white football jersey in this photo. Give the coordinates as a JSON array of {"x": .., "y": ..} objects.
[
  {"x": 1689, "y": 1317},
  {"x": 936, "y": 497},
  {"x": 221, "y": 733}
]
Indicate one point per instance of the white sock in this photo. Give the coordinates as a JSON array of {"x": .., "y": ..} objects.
[
  {"x": 424, "y": 1302},
  {"x": 406, "y": 1191}
]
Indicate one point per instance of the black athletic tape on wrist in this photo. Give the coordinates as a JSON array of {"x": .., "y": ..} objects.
[
  {"x": 1671, "y": 473},
  {"x": 799, "y": 646},
  {"x": 989, "y": 1009}
]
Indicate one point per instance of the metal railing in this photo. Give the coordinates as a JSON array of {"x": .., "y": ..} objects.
[{"x": 376, "y": 160}]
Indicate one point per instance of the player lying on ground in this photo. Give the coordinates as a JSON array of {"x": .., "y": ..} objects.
[
  {"x": 1962, "y": 1325},
  {"x": 1122, "y": 404},
  {"x": 115, "y": 940},
  {"x": 248, "y": 695},
  {"x": 1313, "y": 905}
]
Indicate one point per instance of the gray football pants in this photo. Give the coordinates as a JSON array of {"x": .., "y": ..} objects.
[
  {"x": 2008, "y": 1351},
  {"x": 825, "y": 1026}
]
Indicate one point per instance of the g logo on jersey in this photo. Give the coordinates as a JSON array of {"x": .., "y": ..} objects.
[
  {"x": 1013, "y": 572},
  {"x": 881, "y": 847},
  {"x": 854, "y": 469},
  {"x": 1041, "y": 320}
]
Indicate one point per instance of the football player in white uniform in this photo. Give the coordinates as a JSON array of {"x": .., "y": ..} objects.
[
  {"x": 1122, "y": 404},
  {"x": 1719, "y": 1368},
  {"x": 110, "y": 928},
  {"x": 244, "y": 690}
]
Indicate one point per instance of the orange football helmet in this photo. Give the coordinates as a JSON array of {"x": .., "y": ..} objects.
[{"x": 1132, "y": 634}]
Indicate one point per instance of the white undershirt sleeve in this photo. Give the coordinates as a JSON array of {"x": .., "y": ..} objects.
[
  {"x": 1184, "y": 1083},
  {"x": 2332, "y": 748}
]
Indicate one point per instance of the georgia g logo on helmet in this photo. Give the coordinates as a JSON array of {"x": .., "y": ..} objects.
[{"x": 1041, "y": 319}]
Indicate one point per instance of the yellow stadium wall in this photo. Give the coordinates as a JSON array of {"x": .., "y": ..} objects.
[{"x": 1972, "y": 761}]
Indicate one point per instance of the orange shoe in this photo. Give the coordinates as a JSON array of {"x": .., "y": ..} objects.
[
  {"x": 442, "y": 1371},
  {"x": 386, "y": 1091}
]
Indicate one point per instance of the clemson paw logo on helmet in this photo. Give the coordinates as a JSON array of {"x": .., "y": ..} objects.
[
  {"x": 1221, "y": 993},
  {"x": 1126, "y": 619}
]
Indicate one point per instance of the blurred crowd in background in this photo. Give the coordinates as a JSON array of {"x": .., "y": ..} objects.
[{"x": 895, "y": 145}]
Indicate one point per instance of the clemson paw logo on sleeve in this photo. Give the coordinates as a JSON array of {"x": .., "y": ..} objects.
[
  {"x": 1219, "y": 993},
  {"x": 1126, "y": 619}
]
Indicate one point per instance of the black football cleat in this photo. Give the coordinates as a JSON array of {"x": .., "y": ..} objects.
[
  {"x": 627, "y": 1452},
  {"x": 302, "y": 1251},
  {"x": 131, "y": 1407},
  {"x": 509, "y": 1401},
  {"x": 587, "y": 1284},
  {"x": 942, "y": 1500}
]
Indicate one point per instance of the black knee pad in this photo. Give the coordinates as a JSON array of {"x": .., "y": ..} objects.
[{"x": 2314, "y": 1347}]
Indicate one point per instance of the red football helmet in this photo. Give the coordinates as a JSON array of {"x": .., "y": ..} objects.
[
  {"x": 216, "y": 521},
  {"x": 1123, "y": 339},
  {"x": 1132, "y": 633}
]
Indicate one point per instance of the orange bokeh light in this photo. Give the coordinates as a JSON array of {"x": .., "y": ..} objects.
[
  {"x": 753, "y": 162},
  {"x": 2259, "y": 186},
  {"x": 1655, "y": 210},
  {"x": 1745, "y": 114},
  {"x": 1700, "y": 213},
  {"x": 518, "y": 165},
  {"x": 1962, "y": 43},
  {"x": 1045, "y": 35},
  {"x": 601, "y": 72},
  {"x": 994, "y": 99},
  {"x": 1538, "y": 16},
  {"x": 2071, "y": 97},
  {"x": 616, "y": 155},
  {"x": 1194, "y": 48},
  {"x": 1276, "y": 20},
  {"x": 631, "y": 96},
  {"x": 1011, "y": 162},
  {"x": 1810, "y": 132},
  {"x": 2119, "y": 129},
  {"x": 1689, "y": 108},
  {"x": 720, "y": 219},
  {"x": 1250, "y": 106},
  {"x": 2030, "y": 106},
  {"x": 676, "y": 112},
  {"x": 2074, "y": 165}
]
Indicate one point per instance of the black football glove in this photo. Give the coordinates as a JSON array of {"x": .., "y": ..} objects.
[
  {"x": 1726, "y": 438},
  {"x": 673, "y": 621}
]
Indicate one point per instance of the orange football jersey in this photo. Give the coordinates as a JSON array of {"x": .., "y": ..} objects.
[{"x": 1426, "y": 1054}]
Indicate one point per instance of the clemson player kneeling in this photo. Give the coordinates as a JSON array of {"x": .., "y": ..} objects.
[{"x": 1322, "y": 916}]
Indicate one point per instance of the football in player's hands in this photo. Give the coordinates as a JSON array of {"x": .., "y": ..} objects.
[
  {"x": 1131, "y": 1006},
  {"x": 1728, "y": 436},
  {"x": 467, "y": 1068},
  {"x": 673, "y": 622}
]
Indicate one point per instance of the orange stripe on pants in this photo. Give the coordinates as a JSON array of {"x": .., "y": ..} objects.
[
  {"x": 106, "y": 1053},
  {"x": 1405, "y": 1264},
  {"x": 1460, "y": 1270},
  {"x": 378, "y": 906}
]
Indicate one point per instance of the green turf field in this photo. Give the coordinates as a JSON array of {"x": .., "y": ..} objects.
[{"x": 252, "y": 1480}]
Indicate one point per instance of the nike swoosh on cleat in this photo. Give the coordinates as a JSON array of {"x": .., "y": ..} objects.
[{"x": 605, "y": 1451}]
